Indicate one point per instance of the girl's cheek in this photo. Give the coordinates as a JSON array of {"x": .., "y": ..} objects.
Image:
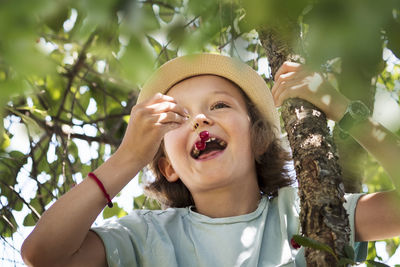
[{"x": 175, "y": 138}]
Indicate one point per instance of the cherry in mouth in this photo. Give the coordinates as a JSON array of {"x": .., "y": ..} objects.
[
  {"x": 204, "y": 136},
  {"x": 200, "y": 145}
]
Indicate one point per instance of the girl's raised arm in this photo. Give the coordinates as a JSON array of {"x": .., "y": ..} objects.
[
  {"x": 62, "y": 236},
  {"x": 377, "y": 215}
]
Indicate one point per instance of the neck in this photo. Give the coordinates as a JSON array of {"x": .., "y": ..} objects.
[{"x": 228, "y": 202}]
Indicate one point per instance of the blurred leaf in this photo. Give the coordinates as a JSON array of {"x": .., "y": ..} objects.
[
  {"x": 35, "y": 203},
  {"x": 156, "y": 45},
  {"x": 138, "y": 202},
  {"x": 137, "y": 62},
  {"x": 29, "y": 220},
  {"x": 376, "y": 177},
  {"x": 18, "y": 204},
  {"x": 5, "y": 142},
  {"x": 345, "y": 262},
  {"x": 56, "y": 17},
  {"x": 8, "y": 225},
  {"x": 114, "y": 211},
  {"x": 349, "y": 251},
  {"x": 377, "y": 264},
  {"x": 139, "y": 19},
  {"x": 166, "y": 14},
  {"x": 392, "y": 33},
  {"x": 392, "y": 245}
]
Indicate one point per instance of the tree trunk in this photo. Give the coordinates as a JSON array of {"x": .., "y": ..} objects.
[{"x": 321, "y": 191}]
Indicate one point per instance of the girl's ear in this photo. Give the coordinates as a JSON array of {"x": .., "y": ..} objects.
[{"x": 167, "y": 170}]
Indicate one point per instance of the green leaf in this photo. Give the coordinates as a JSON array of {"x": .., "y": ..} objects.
[
  {"x": 349, "y": 251},
  {"x": 31, "y": 124},
  {"x": 392, "y": 32},
  {"x": 156, "y": 45},
  {"x": 114, "y": 211},
  {"x": 311, "y": 243},
  {"x": 35, "y": 203},
  {"x": 8, "y": 225},
  {"x": 377, "y": 264},
  {"x": 18, "y": 205},
  {"x": 392, "y": 245},
  {"x": 29, "y": 220},
  {"x": 345, "y": 262},
  {"x": 138, "y": 202},
  {"x": 166, "y": 14},
  {"x": 5, "y": 142},
  {"x": 56, "y": 18},
  {"x": 16, "y": 154}
]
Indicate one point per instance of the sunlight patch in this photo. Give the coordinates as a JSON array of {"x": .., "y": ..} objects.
[
  {"x": 315, "y": 81},
  {"x": 378, "y": 134},
  {"x": 248, "y": 236},
  {"x": 326, "y": 99}
]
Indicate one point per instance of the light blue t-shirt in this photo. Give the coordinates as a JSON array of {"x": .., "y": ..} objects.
[{"x": 182, "y": 237}]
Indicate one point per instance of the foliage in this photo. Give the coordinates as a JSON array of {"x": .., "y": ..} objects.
[
  {"x": 343, "y": 261},
  {"x": 70, "y": 72}
]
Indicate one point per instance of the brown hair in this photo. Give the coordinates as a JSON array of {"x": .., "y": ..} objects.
[{"x": 270, "y": 164}]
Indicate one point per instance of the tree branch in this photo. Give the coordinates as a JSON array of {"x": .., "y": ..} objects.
[
  {"x": 75, "y": 69},
  {"x": 34, "y": 211}
]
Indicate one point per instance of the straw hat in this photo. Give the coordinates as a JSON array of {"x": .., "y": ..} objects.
[{"x": 232, "y": 69}]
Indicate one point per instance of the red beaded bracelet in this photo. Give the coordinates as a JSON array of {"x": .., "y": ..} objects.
[{"x": 100, "y": 184}]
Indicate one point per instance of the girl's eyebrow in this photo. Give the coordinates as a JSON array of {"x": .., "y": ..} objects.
[{"x": 222, "y": 93}]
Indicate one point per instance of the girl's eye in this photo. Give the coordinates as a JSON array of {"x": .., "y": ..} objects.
[{"x": 219, "y": 105}]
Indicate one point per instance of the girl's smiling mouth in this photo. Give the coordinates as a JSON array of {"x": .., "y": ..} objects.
[{"x": 212, "y": 145}]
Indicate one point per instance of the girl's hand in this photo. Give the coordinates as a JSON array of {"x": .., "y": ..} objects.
[
  {"x": 148, "y": 123},
  {"x": 291, "y": 80}
]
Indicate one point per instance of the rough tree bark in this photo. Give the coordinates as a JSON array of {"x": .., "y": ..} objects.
[{"x": 321, "y": 190}]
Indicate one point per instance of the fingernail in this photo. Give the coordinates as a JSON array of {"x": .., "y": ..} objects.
[{"x": 186, "y": 111}]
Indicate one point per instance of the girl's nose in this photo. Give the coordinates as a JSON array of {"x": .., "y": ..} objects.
[{"x": 201, "y": 120}]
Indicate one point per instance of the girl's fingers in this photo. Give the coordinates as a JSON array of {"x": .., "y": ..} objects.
[
  {"x": 284, "y": 77},
  {"x": 289, "y": 81},
  {"x": 161, "y": 98},
  {"x": 287, "y": 66},
  {"x": 170, "y": 117},
  {"x": 168, "y": 106},
  {"x": 290, "y": 93},
  {"x": 287, "y": 89}
]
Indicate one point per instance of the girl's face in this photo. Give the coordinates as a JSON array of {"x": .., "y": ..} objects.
[{"x": 218, "y": 107}]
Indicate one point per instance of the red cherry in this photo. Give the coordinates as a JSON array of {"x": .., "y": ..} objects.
[
  {"x": 200, "y": 145},
  {"x": 294, "y": 244},
  {"x": 204, "y": 135}
]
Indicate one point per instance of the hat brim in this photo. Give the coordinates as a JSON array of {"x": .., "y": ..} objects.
[{"x": 232, "y": 69}]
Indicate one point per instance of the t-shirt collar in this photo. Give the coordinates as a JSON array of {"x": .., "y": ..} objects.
[{"x": 226, "y": 220}]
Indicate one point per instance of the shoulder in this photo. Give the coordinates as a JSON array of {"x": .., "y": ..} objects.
[
  {"x": 287, "y": 198},
  {"x": 286, "y": 205},
  {"x": 142, "y": 222}
]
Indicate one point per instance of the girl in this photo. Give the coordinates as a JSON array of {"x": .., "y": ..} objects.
[{"x": 208, "y": 126}]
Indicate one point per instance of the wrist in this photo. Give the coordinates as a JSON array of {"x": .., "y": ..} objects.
[
  {"x": 356, "y": 113},
  {"x": 117, "y": 171},
  {"x": 342, "y": 108}
]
